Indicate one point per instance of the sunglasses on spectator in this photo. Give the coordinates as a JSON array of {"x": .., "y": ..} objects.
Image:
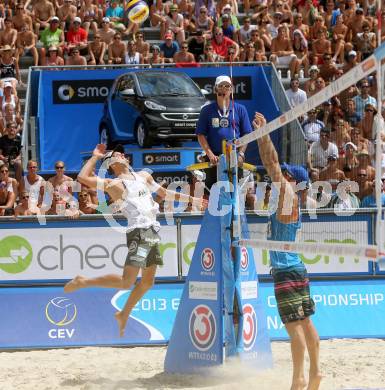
[
  {"x": 32, "y": 167},
  {"x": 365, "y": 86},
  {"x": 4, "y": 171},
  {"x": 218, "y": 33},
  {"x": 25, "y": 197},
  {"x": 59, "y": 167},
  {"x": 117, "y": 37},
  {"x": 184, "y": 47},
  {"x": 369, "y": 110},
  {"x": 202, "y": 12},
  {"x": 209, "y": 48}
]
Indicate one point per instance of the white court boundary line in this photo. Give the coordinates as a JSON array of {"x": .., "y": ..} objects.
[
  {"x": 366, "y": 251},
  {"x": 355, "y": 74}
]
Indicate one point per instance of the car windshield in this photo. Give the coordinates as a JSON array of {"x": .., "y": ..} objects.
[{"x": 170, "y": 84}]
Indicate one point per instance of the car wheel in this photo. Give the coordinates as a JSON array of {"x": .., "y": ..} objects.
[
  {"x": 141, "y": 134},
  {"x": 104, "y": 137}
]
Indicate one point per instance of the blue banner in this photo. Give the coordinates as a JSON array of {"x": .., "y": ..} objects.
[
  {"x": 353, "y": 309},
  {"x": 70, "y": 106}
]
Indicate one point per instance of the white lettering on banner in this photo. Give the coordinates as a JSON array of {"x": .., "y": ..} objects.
[
  {"x": 249, "y": 289},
  {"x": 371, "y": 299},
  {"x": 203, "y": 290},
  {"x": 213, "y": 357},
  {"x": 274, "y": 323},
  {"x": 249, "y": 355},
  {"x": 271, "y": 301},
  {"x": 61, "y": 253},
  {"x": 61, "y": 333},
  {"x": 157, "y": 304}
]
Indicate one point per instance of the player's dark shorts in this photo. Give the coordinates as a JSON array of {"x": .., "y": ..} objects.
[
  {"x": 143, "y": 248},
  {"x": 292, "y": 293}
]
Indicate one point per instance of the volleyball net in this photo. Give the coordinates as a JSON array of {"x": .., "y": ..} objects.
[{"x": 341, "y": 236}]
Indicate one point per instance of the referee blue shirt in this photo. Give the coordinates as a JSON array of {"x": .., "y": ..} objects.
[{"x": 209, "y": 125}]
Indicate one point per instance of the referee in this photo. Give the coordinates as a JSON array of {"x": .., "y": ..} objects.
[{"x": 220, "y": 121}]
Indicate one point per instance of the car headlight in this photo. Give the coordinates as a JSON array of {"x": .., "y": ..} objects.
[{"x": 154, "y": 106}]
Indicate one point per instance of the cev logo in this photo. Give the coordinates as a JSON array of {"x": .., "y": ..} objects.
[
  {"x": 15, "y": 254},
  {"x": 207, "y": 259},
  {"x": 60, "y": 311},
  {"x": 65, "y": 92},
  {"x": 202, "y": 327}
]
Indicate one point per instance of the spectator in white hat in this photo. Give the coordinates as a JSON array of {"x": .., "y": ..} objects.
[
  {"x": 77, "y": 36},
  {"x": 106, "y": 32}
]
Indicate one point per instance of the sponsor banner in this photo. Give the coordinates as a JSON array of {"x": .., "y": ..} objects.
[
  {"x": 352, "y": 309},
  {"x": 325, "y": 229},
  {"x": 85, "y": 317},
  {"x": 172, "y": 177},
  {"x": 196, "y": 340},
  {"x": 161, "y": 158},
  {"x": 343, "y": 309},
  {"x": 71, "y": 103},
  {"x": 80, "y": 91},
  {"x": 58, "y": 253},
  {"x": 242, "y": 86}
]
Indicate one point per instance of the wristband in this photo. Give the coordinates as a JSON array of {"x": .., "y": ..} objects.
[{"x": 242, "y": 154}]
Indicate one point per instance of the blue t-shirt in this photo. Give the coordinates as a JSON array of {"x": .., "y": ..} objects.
[
  {"x": 209, "y": 124},
  {"x": 370, "y": 201},
  {"x": 167, "y": 51}
]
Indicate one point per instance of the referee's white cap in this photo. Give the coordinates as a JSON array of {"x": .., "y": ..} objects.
[{"x": 222, "y": 79}]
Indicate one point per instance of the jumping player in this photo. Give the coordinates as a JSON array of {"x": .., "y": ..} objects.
[{"x": 133, "y": 191}]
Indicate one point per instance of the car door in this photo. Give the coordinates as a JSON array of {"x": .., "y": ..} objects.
[{"x": 122, "y": 108}]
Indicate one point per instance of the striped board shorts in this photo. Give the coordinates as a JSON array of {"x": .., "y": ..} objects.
[{"x": 292, "y": 293}]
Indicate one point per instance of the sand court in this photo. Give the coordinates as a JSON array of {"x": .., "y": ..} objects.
[{"x": 346, "y": 364}]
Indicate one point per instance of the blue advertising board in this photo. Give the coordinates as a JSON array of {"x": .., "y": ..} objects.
[
  {"x": 44, "y": 317},
  {"x": 70, "y": 106}
]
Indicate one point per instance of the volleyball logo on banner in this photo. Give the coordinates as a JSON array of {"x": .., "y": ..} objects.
[
  {"x": 207, "y": 259},
  {"x": 137, "y": 11},
  {"x": 202, "y": 327},
  {"x": 244, "y": 259},
  {"x": 249, "y": 326}
]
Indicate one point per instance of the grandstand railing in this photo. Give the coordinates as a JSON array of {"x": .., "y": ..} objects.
[{"x": 294, "y": 148}]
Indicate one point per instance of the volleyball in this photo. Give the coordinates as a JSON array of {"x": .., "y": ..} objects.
[{"x": 137, "y": 11}]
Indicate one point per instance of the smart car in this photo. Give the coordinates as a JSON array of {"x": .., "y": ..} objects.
[{"x": 149, "y": 106}]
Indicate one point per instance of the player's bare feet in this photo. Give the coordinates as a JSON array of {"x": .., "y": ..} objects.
[
  {"x": 74, "y": 284},
  {"x": 121, "y": 322},
  {"x": 299, "y": 384},
  {"x": 314, "y": 381}
]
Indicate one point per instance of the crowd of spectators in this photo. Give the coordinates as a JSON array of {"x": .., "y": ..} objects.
[{"x": 314, "y": 41}]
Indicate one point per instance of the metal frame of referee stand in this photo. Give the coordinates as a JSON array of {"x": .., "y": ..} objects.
[{"x": 220, "y": 314}]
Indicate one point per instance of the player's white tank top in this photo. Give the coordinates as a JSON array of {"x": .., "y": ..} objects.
[{"x": 139, "y": 207}]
